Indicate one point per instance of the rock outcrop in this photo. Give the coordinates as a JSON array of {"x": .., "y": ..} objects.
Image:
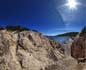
[
  {"x": 28, "y": 50},
  {"x": 78, "y": 48}
]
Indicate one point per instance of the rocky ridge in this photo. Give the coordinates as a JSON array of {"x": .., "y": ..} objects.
[
  {"x": 78, "y": 47},
  {"x": 29, "y": 50}
]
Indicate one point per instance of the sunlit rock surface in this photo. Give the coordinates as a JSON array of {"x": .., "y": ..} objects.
[{"x": 28, "y": 50}]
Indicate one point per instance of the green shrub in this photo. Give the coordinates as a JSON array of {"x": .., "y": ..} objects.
[
  {"x": 1, "y": 28},
  {"x": 83, "y": 31},
  {"x": 35, "y": 30},
  {"x": 16, "y": 28}
]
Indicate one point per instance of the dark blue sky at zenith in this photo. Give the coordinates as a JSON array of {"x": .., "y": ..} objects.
[{"x": 46, "y": 16}]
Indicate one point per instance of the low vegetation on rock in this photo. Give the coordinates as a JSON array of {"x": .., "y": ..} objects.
[
  {"x": 83, "y": 31},
  {"x": 1, "y": 28},
  {"x": 16, "y": 28}
]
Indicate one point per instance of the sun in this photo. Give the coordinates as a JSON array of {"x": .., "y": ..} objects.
[{"x": 72, "y": 4}]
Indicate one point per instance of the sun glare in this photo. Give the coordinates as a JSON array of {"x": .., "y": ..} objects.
[{"x": 72, "y": 4}]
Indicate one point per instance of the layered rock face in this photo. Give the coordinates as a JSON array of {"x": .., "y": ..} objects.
[
  {"x": 28, "y": 50},
  {"x": 78, "y": 48}
]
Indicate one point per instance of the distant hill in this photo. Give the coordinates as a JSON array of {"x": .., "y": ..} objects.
[
  {"x": 70, "y": 34},
  {"x": 63, "y": 37}
]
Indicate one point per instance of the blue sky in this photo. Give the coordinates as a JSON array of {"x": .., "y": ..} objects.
[{"x": 46, "y": 16}]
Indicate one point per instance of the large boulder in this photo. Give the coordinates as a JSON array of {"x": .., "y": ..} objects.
[
  {"x": 28, "y": 50},
  {"x": 78, "y": 48}
]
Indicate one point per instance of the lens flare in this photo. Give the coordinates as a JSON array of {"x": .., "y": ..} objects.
[{"x": 72, "y": 4}]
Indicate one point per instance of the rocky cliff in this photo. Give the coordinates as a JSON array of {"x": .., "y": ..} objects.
[
  {"x": 27, "y": 50},
  {"x": 78, "y": 48}
]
